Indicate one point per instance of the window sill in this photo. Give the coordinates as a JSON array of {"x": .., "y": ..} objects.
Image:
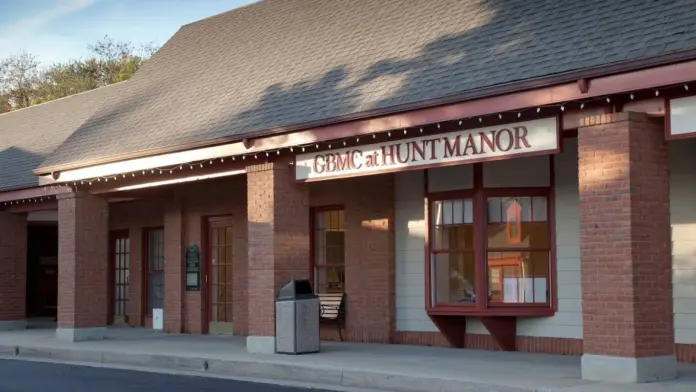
[{"x": 496, "y": 311}]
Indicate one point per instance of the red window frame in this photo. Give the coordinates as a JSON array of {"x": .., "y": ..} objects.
[
  {"x": 147, "y": 271},
  {"x": 313, "y": 264},
  {"x": 480, "y": 195}
]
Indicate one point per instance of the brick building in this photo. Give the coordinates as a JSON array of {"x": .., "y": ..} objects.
[{"x": 500, "y": 175}]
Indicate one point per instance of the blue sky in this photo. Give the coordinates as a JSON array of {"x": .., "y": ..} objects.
[{"x": 60, "y": 30}]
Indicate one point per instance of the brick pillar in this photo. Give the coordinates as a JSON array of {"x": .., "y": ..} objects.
[
  {"x": 83, "y": 266},
  {"x": 13, "y": 271},
  {"x": 278, "y": 244},
  {"x": 174, "y": 248},
  {"x": 628, "y": 326}
]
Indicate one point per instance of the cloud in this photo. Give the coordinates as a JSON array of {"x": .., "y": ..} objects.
[{"x": 27, "y": 25}]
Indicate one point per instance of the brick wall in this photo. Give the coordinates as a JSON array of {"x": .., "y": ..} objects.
[
  {"x": 174, "y": 246},
  {"x": 278, "y": 244},
  {"x": 625, "y": 237},
  {"x": 225, "y": 197},
  {"x": 187, "y": 208},
  {"x": 83, "y": 224},
  {"x": 370, "y": 268},
  {"x": 13, "y": 266}
]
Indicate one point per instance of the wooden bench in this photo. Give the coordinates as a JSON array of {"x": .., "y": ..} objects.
[{"x": 332, "y": 310}]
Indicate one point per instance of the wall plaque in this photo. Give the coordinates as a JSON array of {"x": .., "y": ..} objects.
[{"x": 193, "y": 268}]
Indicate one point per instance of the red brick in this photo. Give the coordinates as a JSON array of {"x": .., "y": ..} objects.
[
  {"x": 625, "y": 237},
  {"x": 13, "y": 266},
  {"x": 83, "y": 224},
  {"x": 278, "y": 239},
  {"x": 370, "y": 265}
]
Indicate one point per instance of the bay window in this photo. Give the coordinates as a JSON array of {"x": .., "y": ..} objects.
[{"x": 490, "y": 251}]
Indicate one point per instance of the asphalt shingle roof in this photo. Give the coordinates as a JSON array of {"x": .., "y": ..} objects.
[
  {"x": 28, "y": 136},
  {"x": 286, "y": 62}
]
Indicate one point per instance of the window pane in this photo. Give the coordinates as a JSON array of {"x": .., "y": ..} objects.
[
  {"x": 539, "y": 209},
  {"x": 452, "y": 225},
  {"x": 454, "y": 237},
  {"x": 518, "y": 277},
  {"x": 454, "y": 277},
  {"x": 156, "y": 291},
  {"x": 494, "y": 210},
  {"x": 329, "y": 279},
  {"x": 329, "y": 251},
  {"x": 510, "y": 224}
]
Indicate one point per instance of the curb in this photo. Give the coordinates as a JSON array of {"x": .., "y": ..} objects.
[{"x": 326, "y": 375}]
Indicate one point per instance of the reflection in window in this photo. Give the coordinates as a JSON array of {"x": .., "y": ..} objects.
[
  {"x": 518, "y": 249},
  {"x": 453, "y": 263},
  {"x": 329, "y": 251},
  {"x": 155, "y": 270}
]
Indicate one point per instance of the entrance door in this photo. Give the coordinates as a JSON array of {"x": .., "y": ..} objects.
[
  {"x": 219, "y": 275},
  {"x": 119, "y": 272}
]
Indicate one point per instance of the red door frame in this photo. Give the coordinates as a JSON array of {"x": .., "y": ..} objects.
[{"x": 209, "y": 223}]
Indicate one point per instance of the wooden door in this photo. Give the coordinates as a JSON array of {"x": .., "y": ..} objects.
[
  {"x": 219, "y": 275},
  {"x": 119, "y": 274}
]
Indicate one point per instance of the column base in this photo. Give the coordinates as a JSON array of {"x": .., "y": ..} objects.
[
  {"x": 13, "y": 325},
  {"x": 81, "y": 334},
  {"x": 628, "y": 370},
  {"x": 260, "y": 344}
]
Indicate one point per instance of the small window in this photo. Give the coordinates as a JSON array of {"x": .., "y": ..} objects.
[
  {"x": 155, "y": 269},
  {"x": 329, "y": 241}
]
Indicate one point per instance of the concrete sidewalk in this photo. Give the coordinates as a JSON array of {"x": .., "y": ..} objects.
[{"x": 370, "y": 366}]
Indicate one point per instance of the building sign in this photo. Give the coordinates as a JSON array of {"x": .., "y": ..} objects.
[
  {"x": 535, "y": 137},
  {"x": 681, "y": 120},
  {"x": 193, "y": 268}
]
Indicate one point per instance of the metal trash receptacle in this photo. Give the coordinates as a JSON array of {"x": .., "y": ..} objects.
[{"x": 297, "y": 319}]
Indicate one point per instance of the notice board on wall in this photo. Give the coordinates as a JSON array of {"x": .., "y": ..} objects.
[{"x": 193, "y": 268}]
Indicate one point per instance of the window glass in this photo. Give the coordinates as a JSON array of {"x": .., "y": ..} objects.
[
  {"x": 452, "y": 245},
  {"x": 515, "y": 247},
  {"x": 517, "y": 222},
  {"x": 329, "y": 251},
  {"x": 454, "y": 277},
  {"x": 155, "y": 262},
  {"x": 518, "y": 277}
]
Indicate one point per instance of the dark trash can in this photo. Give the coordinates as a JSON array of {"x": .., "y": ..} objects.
[{"x": 297, "y": 319}]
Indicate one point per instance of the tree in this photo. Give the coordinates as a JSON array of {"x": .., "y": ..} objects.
[
  {"x": 18, "y": 77},
  {"x": 118, "y": 61},
  {"x": 24, "y": 83}
]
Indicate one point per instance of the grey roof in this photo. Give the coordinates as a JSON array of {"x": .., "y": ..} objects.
[
  {"x": 284, "y": 62},
  {"x": 28, "y": 136}
]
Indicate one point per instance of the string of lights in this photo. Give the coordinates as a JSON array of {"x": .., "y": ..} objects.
[{"x": 267, "y": 154}]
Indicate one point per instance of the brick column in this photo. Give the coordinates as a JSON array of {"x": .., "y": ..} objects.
[
  {"x": 83, "y": 266},
  {"x": 174, "y": 247},
  {"x": 13, "y": 271},
  {"x": 278, "y": 244},
  {"x": 628, "y": 326}
]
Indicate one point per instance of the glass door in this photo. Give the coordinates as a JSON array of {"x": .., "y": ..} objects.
[{"x": 219, "y": 276}]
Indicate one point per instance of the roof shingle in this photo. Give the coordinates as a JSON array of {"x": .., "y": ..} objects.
[
  {"x": 286, "y": 62},
  {"x": 28, "y": 136}
]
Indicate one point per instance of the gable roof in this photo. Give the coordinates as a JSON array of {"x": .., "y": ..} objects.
[
  {"x": 28, "y": 136},
  {"x": 280, "y": 63}
]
